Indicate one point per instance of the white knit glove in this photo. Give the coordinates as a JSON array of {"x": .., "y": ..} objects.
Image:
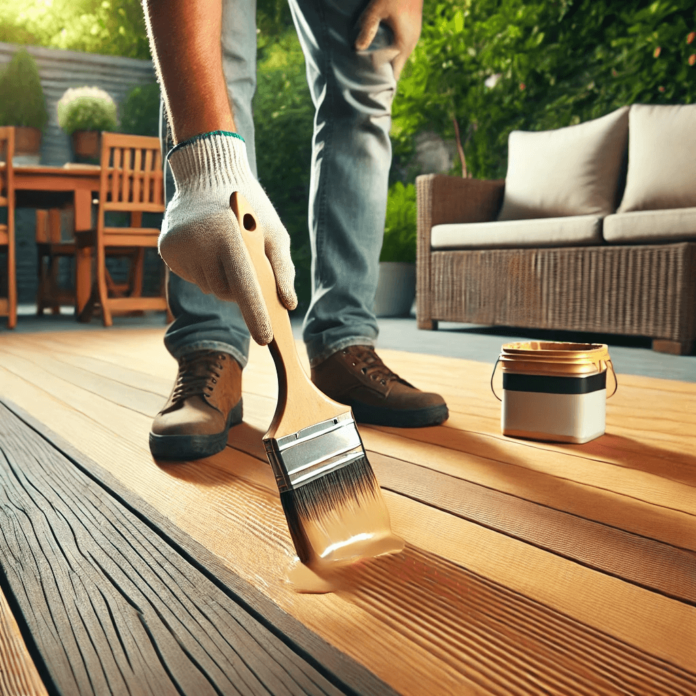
[{"x": 200, "y": 239}]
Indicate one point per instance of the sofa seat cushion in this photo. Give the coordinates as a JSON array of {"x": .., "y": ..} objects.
[
  {"x": 567, "y": 171},
  {"x": 676, "y": 225},
  {"x": 661, "y": 161},
  {"x": 577, "y": 230}
]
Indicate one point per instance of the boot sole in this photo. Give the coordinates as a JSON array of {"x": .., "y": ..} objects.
[
  {"x": 187, "y": 447},
  {"x": 415, "y": 418}
]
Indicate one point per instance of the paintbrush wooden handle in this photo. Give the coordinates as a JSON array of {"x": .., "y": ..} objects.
[{"x": 300, "y": 403}]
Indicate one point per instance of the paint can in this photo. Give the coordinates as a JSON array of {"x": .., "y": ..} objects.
[{"x": 554, "y": 391}]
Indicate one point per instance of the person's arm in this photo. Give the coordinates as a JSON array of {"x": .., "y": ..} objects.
[
  {"x": 185, "y": 42},
  {"x": 200, "y": 239},
  {"x": 404, "y": 17}
]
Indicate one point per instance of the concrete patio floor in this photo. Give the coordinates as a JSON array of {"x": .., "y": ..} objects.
[{"x": 631, "y": 355}]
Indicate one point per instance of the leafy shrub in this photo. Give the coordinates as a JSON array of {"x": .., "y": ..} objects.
[
  {"x": 110, "y": 27},
  {"x": 87, "y": 108},
  {"x": 140, "y": 110},
  {"x": 500, "y": 65},
  {"x": 21, "y": 94},
  {"x": 400, "y": 227}
]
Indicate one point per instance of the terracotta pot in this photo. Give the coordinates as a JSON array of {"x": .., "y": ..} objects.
[
  {"x": 27, "y": 145},
  {"x": 87, "y": 146}
]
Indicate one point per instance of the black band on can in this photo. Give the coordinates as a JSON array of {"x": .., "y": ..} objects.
[{"x": 554, "y": 385}]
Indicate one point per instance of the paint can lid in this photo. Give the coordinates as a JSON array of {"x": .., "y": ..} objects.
[{"x": 554, "y": 358}]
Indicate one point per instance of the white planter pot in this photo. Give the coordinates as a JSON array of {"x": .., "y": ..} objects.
[{"x": 396, "y": 289}]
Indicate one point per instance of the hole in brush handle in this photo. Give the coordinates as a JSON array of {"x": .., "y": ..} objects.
[
  {"x": 249, "y": 222},
  {"x": 246, "y": 219}
]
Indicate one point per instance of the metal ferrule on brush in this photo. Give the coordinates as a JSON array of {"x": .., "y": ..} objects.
[{"x": 315, "y": 451}]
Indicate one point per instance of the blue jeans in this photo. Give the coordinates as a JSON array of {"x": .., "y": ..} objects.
[{"x": 351, "y": 157}]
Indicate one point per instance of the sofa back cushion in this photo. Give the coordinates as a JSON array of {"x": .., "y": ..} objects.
[
  {"x": 568, "y": 171},
  {"x": 661, "y": 158}
]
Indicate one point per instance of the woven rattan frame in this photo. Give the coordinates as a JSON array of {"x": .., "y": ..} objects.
[{"x": 645, "y": 290}]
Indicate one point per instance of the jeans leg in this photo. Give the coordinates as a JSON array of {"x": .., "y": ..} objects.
[
  {"x": 200, "y": 320},
  {"x": 351, "y": 157}
]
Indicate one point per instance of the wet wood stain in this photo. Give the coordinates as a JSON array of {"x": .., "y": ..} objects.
[{"x": 340, "y": 540}]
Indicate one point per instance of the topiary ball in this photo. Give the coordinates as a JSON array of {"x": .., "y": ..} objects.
[{"x": 87, "y": 108}]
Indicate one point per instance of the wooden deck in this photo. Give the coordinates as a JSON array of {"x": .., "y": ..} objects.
[{"x": 530, "y": 568}]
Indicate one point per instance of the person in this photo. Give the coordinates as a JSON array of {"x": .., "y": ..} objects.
[{"x": 205, "y": 56}]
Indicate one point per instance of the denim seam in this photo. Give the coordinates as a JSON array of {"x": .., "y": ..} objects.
[
  {"x": 328, "y": 351},
  {"x": 211, "y": 345},
  {"x": 321, "y": 194}
]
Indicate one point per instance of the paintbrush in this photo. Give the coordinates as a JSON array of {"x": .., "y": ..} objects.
[{"x": 331, "y": 498}]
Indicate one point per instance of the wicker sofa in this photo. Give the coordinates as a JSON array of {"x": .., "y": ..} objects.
[{"x": 614, "y": 276}]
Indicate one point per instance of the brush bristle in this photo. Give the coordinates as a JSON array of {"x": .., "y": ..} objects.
[{"x": 348, "y": 485}]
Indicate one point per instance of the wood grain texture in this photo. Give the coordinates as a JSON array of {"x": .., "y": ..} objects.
[
  {"x": 18, "y": 674},
  {"x": 530, "y": 470},
  {"x": 643, "y": 561},
  {"x": 113, "y": 608},
  {"x": 592, "y": 623}
]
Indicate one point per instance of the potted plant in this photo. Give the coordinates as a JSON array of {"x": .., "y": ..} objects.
[
  {"x": 83, "y": 113},
  {"x": 22, "y": 106},
  {"x": 396, "y": 287}
]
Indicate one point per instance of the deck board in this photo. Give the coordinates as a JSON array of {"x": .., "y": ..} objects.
[
  {"x": 18, "y": 673},
  {"x": 557, "y": 552},
  {"x": 116, "y": 601}
]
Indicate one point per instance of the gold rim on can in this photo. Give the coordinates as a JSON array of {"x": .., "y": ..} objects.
[{"x": 554, "y": 358}]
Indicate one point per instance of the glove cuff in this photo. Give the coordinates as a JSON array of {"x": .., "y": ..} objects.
[{"x": 210, "y": 160}]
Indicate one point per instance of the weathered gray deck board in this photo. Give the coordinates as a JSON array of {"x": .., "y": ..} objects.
[{"x": 113, "y": 598}]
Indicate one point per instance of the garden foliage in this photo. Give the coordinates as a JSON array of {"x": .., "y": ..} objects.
[
  {"x": 400, "y": 226},
  {"x": 21, "y": 95},
  {"x": 86, "y": 108},
  {"x": 108, "y": 27},
  {"x": 500, "y": 65},
  {"x": 140, "y": 110}
]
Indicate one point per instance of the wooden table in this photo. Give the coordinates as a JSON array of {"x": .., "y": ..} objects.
[{"x": 47, "y": 187}]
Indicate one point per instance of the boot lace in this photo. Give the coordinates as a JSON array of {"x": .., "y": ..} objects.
[
  {"x": 198, "y": 374},
  {"x": 369, "y": 363}
]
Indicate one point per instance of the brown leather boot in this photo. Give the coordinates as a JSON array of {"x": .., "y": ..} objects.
[
  {"x": 205, "y": 402},
  {"x": 356, "y": 376}
]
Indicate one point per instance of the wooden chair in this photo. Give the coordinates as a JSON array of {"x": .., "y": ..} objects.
[
  {"x": 132, "y": 182},
  {"x": 8, "y": 305},
  {"x": 50, "y": 247}
]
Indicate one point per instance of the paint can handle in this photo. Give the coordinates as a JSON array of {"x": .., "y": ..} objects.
[
  {"x": 616, "y": 381},
  {"x": 492, "y": 376}
]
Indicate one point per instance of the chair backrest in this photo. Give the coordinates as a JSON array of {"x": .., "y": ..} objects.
[
  {"x": 7, "y": 140},
  {"x": 48, "y": 226},
  {"x": 131, "y": 173}
]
